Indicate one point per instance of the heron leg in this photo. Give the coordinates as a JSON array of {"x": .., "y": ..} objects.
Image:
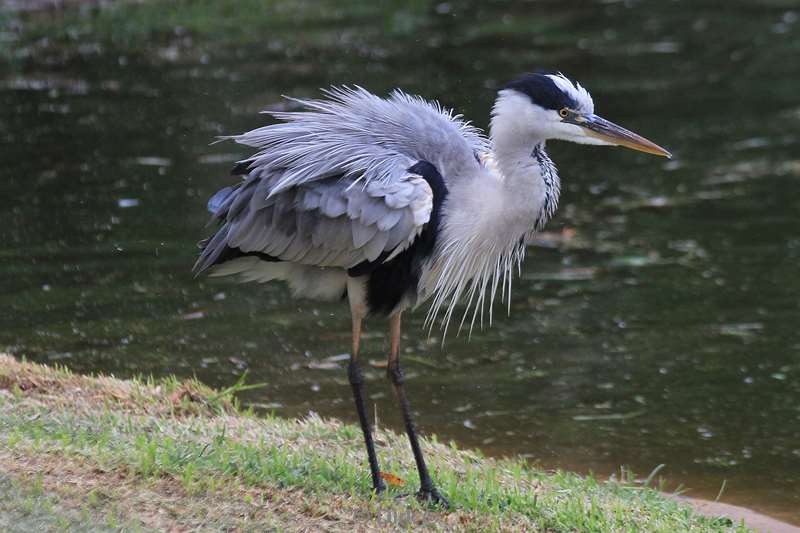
[
  {"x": 427, "y": 491},
  {"x": 356, "y": 378}
]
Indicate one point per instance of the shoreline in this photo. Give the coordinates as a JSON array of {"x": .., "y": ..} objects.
[
  {"x": 172, "y": 454},
  {"x": 757, "y": 521}
]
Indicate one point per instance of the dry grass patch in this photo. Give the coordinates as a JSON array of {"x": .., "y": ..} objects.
[
  {"x": 180, "y": 456},
  {"x": 163, "y": 504},
  {"x": 58, "y": 387}
]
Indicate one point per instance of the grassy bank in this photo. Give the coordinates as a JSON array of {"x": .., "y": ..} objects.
[{"x": 113, "y": 454}]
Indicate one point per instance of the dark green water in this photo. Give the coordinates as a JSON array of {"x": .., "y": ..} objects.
[{"x": 660, "y": 327}]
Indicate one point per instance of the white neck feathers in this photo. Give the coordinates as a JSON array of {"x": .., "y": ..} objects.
[
  {"x": 489, "y": 217},
  {"x": 518, "y": 133}
]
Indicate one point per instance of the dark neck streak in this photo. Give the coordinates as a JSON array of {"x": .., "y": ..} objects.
[{"x": 552, "y": 186}]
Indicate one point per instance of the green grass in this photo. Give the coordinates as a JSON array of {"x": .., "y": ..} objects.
[
  {"x": 26, "y": 506},
  {"x": 151, "y": 433}
]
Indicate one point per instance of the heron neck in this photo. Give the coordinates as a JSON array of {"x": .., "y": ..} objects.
[{"x": 527, "y": 172}]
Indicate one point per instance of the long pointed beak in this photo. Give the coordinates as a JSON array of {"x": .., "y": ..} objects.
[{"x": 612, "y": 133}]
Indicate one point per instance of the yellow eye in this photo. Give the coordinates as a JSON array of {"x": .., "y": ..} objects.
[{"x": 564, "y": 112}]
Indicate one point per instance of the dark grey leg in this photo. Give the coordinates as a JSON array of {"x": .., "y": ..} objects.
[
  {"x": 356, "y": 378},
  {"x": 427, "y": 491}
]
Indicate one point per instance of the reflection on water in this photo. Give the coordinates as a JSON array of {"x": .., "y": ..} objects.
[{"x": 655, "y": 322}]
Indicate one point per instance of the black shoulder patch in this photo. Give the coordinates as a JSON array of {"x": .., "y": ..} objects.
[{"x": 542, "y": 91}]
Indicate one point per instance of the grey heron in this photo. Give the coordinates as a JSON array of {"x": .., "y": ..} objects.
[{"x": 391, "y": 202}]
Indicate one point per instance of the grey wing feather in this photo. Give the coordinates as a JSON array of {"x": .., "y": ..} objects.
[
  {"x": 330, "y": 185},
  {"x": 221, "y": 199},
  {"x": 296, "y": 225},
  {"x": 358, "y": 135}
]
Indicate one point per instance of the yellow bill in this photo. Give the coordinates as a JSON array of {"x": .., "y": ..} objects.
[{"x": 614, "y": 134}]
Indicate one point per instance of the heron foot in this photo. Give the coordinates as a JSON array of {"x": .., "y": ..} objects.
[
  {"x": 379, "y": 487},
  {"x": 432, "y": 497}
]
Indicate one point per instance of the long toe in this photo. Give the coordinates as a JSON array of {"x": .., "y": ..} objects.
[{"x": 432, "y": 497}]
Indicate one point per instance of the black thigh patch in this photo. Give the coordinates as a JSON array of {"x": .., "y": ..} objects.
[{"x": 389, "y": 281}]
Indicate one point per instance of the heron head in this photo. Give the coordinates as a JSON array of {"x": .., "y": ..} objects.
[{"x": 550, "y": 106}]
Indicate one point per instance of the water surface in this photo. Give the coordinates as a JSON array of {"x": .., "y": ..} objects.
[{"x": 656, "y": 321}]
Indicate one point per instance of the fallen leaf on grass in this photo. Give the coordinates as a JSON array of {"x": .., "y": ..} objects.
[{"x": 391, "y": 479}]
